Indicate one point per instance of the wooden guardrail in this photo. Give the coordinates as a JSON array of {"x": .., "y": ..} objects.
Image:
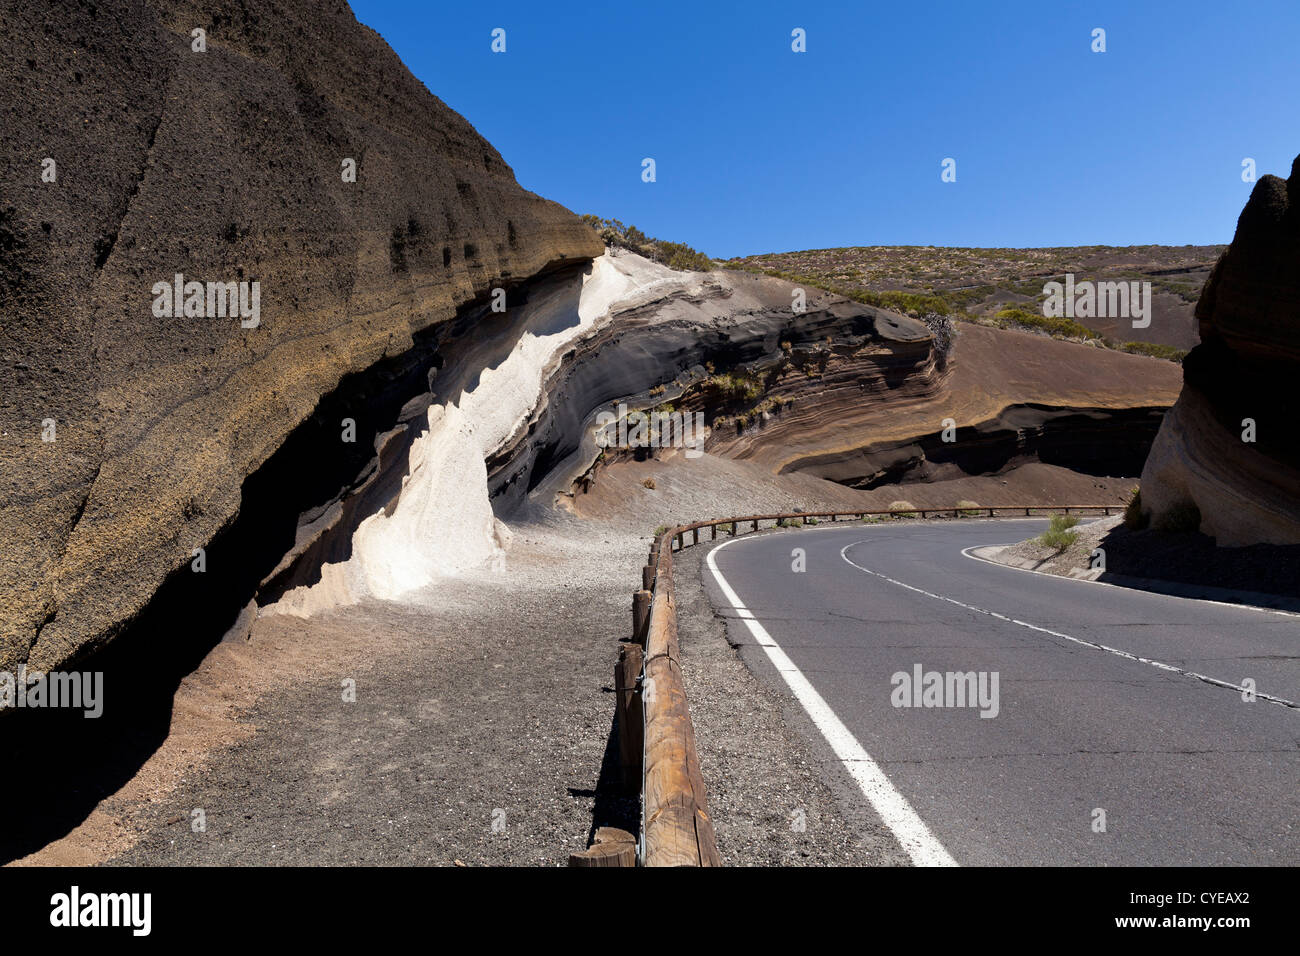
[{"x": 656, "y": 738}]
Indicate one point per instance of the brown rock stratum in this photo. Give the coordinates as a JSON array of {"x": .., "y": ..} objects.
[
  {"x": 223, "y": 165},
  {"x": 1241, "y": 378}
]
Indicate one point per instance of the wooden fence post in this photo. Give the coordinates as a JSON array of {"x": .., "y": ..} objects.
[
  {"x": 630, "y": 721},
  {"x": 640, "y": 615},
  {"x": 610, "y": 847}
]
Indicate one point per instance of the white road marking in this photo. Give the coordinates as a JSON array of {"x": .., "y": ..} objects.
[
  {"x": 967, "y": 553},
  {"x": 908, "y": 828},
  {"x": 1077, "y": 640}
]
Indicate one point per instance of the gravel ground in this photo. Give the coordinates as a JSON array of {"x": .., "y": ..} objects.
[
  {"x": 490, "y": 698},
  {"x": 485, "y": 699},
  {"x": 489, "y": 703}
]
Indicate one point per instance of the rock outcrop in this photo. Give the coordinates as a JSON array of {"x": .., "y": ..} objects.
[
  {"x": 1227, "y": 457},
  {"x": 515, "y": 418},
  {"x": 131, "y": 438}
]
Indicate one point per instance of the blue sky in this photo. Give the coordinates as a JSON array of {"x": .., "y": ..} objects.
[{"x": 760, "y": 149}]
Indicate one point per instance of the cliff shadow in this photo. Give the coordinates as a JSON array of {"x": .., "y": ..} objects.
[{"x": 1184, "y": 564}]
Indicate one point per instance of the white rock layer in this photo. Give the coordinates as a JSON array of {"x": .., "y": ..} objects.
[{"x": 443, "y": 522}]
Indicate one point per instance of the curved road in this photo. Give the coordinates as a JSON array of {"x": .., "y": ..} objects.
[{"x": 1106, "y": 699}]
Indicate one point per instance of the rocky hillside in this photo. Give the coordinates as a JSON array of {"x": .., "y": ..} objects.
[
  {"x": 978, "y": 284},
  {"x": 1227, "y": 458},
  {"x": 138, "y": 150}
]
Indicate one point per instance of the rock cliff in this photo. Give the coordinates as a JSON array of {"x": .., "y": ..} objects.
[
  {"x": 132, "y": 438},
  {"x": 1227, "y": 457}
]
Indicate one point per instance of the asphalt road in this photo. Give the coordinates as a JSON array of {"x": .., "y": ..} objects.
[{"x": 1106, "y": 701}]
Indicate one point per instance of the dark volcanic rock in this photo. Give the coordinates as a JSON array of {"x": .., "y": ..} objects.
[
  {"x": 1239, "y": 384},
  {"x": 224, "y": 165}
]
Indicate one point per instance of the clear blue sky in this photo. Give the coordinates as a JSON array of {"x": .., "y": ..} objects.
[{"x": 760, "y": 149}]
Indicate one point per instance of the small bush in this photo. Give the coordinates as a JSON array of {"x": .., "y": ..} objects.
[
  {"x": 676, "y": 255},
  {"x": 649, "y": 483},
  {"x": 970, "y": 509},
  {"x": 943, "y": 329},
  {"x": 1154, "y": 350},
  {"x": 1066, "y": 328},
  {"x": 1058, "y": 535},
  {"x": 728, "y": 528},
  {"x": 660, "y": 530},
  {"x": 811, "y": 521},
  {"x": 740, "y": 387},
  {"x": 902, "y": 509},
  {"x": 789, "y": 522}
]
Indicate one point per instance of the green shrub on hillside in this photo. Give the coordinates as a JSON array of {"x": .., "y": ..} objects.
[
  {"x": 1053, "y": 326},
  {"x": 675, "y": 255},
  {"x": 1058, "y": 535},
  {"x": 1154, "y": 350}
]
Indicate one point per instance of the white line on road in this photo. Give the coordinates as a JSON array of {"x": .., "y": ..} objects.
[
  {"x": 1034, "y": 627},
  {"x": 1235, "y": 605},
  {"x": 908, "y": 828}
]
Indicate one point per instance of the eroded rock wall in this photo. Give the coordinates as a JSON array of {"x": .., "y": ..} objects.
[
  {"x": 1229, "y": 449},
  {"x": 222, "y": 165}
]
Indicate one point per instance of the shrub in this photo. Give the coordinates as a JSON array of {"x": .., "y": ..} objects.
[
  {"x": 943, "y": 330},
  {"x": 735, "y": 387},
  {"x": 1058, "y": 535},
  {"x": 676, "y": 255},
  {"x": 728, "y": 528},
  {"x": 789, "y": 522},
  {"x": 649, "y": 483},
  {"x": 970, "y": 509},
  {"x": 660, "y": 530},
  {"x": 1066, "y": 328},
  {"x": 902, "y": 509},
  {"x": 1154, "y": 350}
]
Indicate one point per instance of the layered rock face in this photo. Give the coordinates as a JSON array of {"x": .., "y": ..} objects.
[
  {"x": 520, "y": 416},
  {"x": 842, "y": 391},
  {"x": 129, "y": 436},
  {"x": 1230, "y": 447}
]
